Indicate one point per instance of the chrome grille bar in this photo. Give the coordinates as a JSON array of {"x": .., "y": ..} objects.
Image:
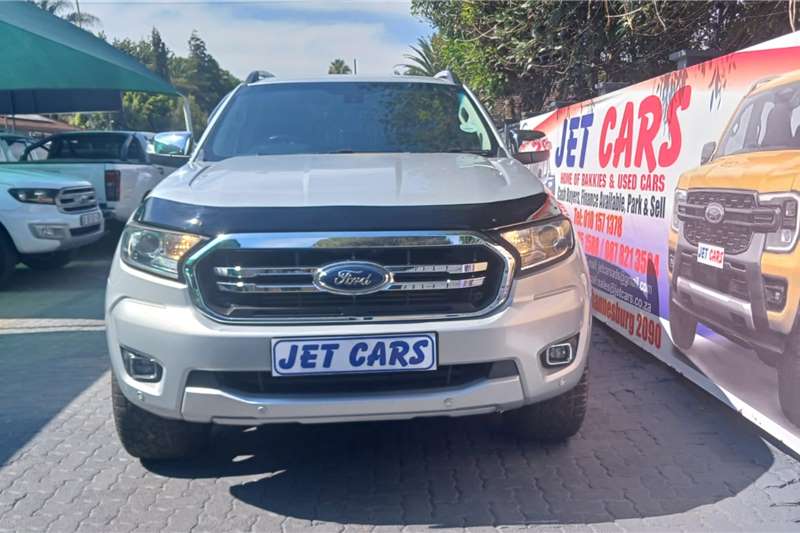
[
  {"x": 76, "y": 199},
  {"x": 261, "y": 288},
  {"x": 240, "y": 272}
]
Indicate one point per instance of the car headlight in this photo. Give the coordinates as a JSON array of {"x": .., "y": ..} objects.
[
  {"x": 35, "y": 196},
  {"x": 680, "y": 197},
  {"x": 784, "y": 239},
  {"x": 155, "y": 250},
  {"x": 541, "y": 243}
]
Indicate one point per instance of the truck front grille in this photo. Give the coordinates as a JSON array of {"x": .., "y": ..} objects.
[
  {"x": 270, "y": 278},
  {"x": 76, "y": 200},
  {"x": 734, "y": 232}
]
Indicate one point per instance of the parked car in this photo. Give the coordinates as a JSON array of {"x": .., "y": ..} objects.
[
  {"x": 734, "y": 260},
  {"x": 116, "y": 163},
  {"x": 43, "y": 218},
  {"x": 345, "y": 250}
]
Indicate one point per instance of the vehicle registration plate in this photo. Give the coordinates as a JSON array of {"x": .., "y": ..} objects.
[
  {"x": 91, "y": 219},
  {"x": 708, "y": 254},
  {"x": 353, "y": 354}
]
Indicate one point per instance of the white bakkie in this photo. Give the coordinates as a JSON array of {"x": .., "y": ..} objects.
[
  {"x": 346, "y": 249},
  {"x": 43, "y": 218}
]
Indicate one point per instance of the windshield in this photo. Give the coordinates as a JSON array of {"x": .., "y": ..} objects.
[
  {"x": 348, "y": 117},
  {"x": 768, "y": 120}
]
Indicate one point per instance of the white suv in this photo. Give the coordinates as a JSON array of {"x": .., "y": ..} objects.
[{"x": 345, "y": 249}]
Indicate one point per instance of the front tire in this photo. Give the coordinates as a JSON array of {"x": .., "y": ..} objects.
[
  {"x": 8, "y": 258},
  {"x": 48, "y": 261},
  {"x": 789, "y": 377},
  {"x": 553, "y": 420},
  {"x": 148, "y": 436},
  {"x": 682, "y": 326}
]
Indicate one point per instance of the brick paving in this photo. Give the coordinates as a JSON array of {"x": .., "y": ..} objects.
[{"x": 655, "y": 453}]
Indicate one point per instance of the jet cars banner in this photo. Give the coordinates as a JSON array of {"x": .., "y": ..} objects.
[{"x": 684, "y": 191}]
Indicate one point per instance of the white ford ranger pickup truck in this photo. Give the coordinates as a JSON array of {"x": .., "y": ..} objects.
[{"x": 346, "y": 249}]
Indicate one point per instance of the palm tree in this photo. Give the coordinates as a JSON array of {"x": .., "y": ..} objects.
[
  {"x": 424, "y": 61},
  {"x": 68, "y": 11},
  {"x": 338, "y": 66}
]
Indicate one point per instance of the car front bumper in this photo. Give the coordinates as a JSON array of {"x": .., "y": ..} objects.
[
  {"x": 156, "y": 317},
  {"x": 20, "y": 222}
]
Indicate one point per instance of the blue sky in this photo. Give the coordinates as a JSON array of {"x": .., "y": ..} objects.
[{"x": 287, "y": 37}]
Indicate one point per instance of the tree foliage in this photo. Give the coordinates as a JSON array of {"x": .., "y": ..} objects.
[
  {"x": 338, "y": 66},
  {"x": 68, "y": 11},
  {"x": 425, "y": 59},
  {"x": 538, "y": 52},
  {"x": 198, "y": 76}
]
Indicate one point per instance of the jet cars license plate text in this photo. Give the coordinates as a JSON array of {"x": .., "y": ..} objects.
[{"x": 353, "y": 354}]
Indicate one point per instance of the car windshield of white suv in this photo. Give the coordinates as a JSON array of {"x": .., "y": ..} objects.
[
  {"x": 768, "y": 120},
  {"x": 348, "y": 117}
]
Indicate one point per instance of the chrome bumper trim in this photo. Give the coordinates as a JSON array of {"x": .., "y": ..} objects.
[
  {"x": 201, "y": 404},
  {"x": 717, "y": 301}
]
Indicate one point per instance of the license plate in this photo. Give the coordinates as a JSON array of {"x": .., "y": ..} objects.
[
  {"x": 355, "y": 354},
  {"x": 708, "y": 254},
  {"x": 91, "y": 219}
]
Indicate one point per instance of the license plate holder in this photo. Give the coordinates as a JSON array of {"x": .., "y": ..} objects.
[
  {"x": 708, "y": 254},
  {"x": 357, "y": 354},
  {"x": 90, "y": 219}
]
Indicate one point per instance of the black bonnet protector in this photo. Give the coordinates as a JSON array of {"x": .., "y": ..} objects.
[{"x": 212, "y": 221}]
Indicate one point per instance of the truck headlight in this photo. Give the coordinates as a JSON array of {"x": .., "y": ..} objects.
[
  {"x": 541, "y": 243},
  {"x": 784, "y": 239},
  {"x": 35, "y": 196},
  {"x": 155, "y": 250},
  {"x": 680, "y": 197}
]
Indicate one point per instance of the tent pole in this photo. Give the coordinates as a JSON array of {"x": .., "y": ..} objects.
[
  {"x": 13, "y": 115},
  {"x": 187, "y": 115}
]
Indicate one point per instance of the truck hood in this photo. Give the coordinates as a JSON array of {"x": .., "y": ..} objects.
[
  {"x": 769, "y": 171},
  {"x": 349, "y": 180},
  {"x": 16, "y": 177}
]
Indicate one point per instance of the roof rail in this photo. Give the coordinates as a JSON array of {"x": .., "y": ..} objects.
[
  {"x": 257, "y": 75},
  {"x": 447, "y": 75}
]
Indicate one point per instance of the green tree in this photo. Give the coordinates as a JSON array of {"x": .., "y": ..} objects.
[
  {"x": 425, "y": 60},
  {"x": 538, "y": 52},
  {"x": 338, "y": 66},
  {"x": 198, "y": 76},
  {"x": 69, "y": 11}
]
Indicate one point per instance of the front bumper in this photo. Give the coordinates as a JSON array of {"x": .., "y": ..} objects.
[
  {"x": 744, "y": 320},
  {"x": 154, "y": 316},
  {"x": 19, "y": 222}
]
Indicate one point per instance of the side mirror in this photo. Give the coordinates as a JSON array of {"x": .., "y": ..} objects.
[
  {"x": 516, "y": 140},
  {"x": 708, "y": 151},
  {"x": 165, "y": 160},
  {"x": 172, "y": 143}
]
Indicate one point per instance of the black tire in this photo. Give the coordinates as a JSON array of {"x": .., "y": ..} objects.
[
  {"x": 553, "y": 420},
  {"x": 789, "y": 377},
  {"x": 682, "y": 326},
  {"x": 8, "y": 257},
  {"x": 48, "y": 261},
  {"x": 147, "y": 436}
]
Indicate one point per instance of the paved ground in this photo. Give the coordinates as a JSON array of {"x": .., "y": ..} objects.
[{"x": 656, "y": 453}]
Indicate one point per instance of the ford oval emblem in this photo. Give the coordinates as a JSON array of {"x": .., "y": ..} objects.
[
  {"x": 352, "y": 278},
  {"x": 714, "y": 213}
]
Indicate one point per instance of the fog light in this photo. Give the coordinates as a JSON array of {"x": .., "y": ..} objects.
[
  {"x": 57, "y": 232},
  {"x": 560, "y": 353},
  {"x": 141, "y": 367},
  {"x": 775, "y": 293}
]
